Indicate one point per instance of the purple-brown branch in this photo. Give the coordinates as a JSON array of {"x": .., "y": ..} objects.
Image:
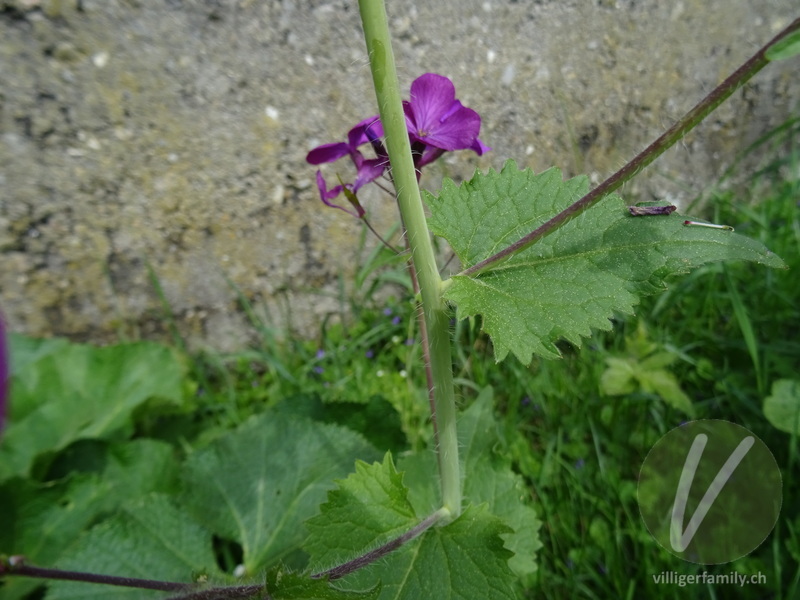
[{"x": 717, "y": 96}]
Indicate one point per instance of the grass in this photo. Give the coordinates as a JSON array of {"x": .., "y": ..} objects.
[{"x": 728, "y": 331}]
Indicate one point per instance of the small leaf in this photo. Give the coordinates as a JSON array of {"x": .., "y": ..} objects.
[
  {"x": 366, "y": 510},
  {"x": 786, "y": 48},
  {"x": 665, "y": 385},
  {"x": 619, "y": 378},
  {"x": 266, "y": 478},
  {"x": 782, "y": 406},
  {"x": 574, "y": 278}
]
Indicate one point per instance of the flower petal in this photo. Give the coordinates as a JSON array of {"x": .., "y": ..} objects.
[
  {"x": 432, "y": 96},
  {"x": 326, "y": 194},
  {"x": 458, "y": 132},
  {"x": 366, "y": 131},
  {"x": 327, "y": 153},
  {"x": 369, "y": 169}
]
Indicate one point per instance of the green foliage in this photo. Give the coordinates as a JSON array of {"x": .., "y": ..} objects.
[
  {"x": 284, "y": 585},
  {"x": 573, "y": 279},
  {"x": 266, "y": 478},
  {"x": 462, "y": 560},
  {"x": 64, "y": 393},
  {"x": 366, "y": 510},
  {"x": 644, "y": 369},
  {"x": 149, "y": 539},
  {"x": 374, "y": 505}
]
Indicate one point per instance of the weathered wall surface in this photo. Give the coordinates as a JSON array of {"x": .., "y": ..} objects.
[{"x": 173, "y": 133}]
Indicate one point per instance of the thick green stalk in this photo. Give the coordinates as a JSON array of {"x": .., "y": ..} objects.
[{"x": 384, "y": 76}]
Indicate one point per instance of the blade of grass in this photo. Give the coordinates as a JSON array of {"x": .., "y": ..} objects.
[{"x": 746, "y": 327}]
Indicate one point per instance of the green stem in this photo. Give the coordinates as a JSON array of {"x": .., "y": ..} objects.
[
  {"x": 689, "y": 121},
  {"x": 387, "y": 90}
]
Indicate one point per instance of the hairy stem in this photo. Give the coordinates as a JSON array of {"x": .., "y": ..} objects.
[
  {"x": 688, "y": 122},
  {"x": 15, "y": 565},
  {"x": 384, "y": 76}
]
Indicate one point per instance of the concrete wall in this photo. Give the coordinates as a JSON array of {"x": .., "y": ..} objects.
[{"x": 173, "y": 133}]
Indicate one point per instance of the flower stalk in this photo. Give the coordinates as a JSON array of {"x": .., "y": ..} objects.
[{"x": 398, "y": 146}]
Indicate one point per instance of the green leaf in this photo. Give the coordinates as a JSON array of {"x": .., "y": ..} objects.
[
  {"x": 365, "y": 511},
  {"x": 619, "y": 378},
  {"x": 45, "y": 519},
  {"x": 79, "y": 392},
  {"x": 664, "y": 384},
  {"x": 489, "y": 478},
  {"x": 24, "y": 350},
  {"x": 282, "y": 585},
  {"x": 464, "y": 560},
  {"x": 785, "y": 48},
  {"x": 468, "y": 558},
  {"x": 573, "y": 279},
  {"x": 150, "y": 540},
  {"x": 782, "y": 406},
  {"x": 266, "y": 478}
]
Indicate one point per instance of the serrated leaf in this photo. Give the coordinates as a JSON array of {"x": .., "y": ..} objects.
[
  {"x": 76, "y": 392},
  {"x": 488, "y": 477},
  {"x": 464, "y": 560},
  {"x": 365, "y": 511},
  {"x": 573, "y": 279},
  {"x": 782, "y": 406},
  {"x": 266, "y": 478},
  {"x": 281, "y": 585},
  {"x": 151, "y": 539}
]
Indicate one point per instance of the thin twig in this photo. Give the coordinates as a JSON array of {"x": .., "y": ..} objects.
[
  {"x": 15, "y": 565},
  {"x": 701, "y": 110}
]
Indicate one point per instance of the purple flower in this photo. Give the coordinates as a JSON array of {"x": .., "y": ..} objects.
[
  {"x": 369, "y": 354},
  {"x": 436, "y": 123},
  {"x": 396, "y": 321},
  {"x": 387, "y": 312},
  {"x": 3, "y": 372},
  {"x": 320, "y": 353},
  {"x": 367, "y": 169},
  {"x": 319, "y": 370}
]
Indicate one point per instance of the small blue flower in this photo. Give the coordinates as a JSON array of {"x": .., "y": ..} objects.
[
  {"x": 580, "y": 463},
  {"x": 369, "y": 354},
  {"x": 320, "y": 354},
  {"x": 319, "y": 370},
  {"x": 410, "y": 342},
  {"x": 387, "y": 312},
  {"x": 396, "y": 321}
]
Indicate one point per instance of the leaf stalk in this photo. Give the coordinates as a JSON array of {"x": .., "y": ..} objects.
[{"x": 688, "y": 122}]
